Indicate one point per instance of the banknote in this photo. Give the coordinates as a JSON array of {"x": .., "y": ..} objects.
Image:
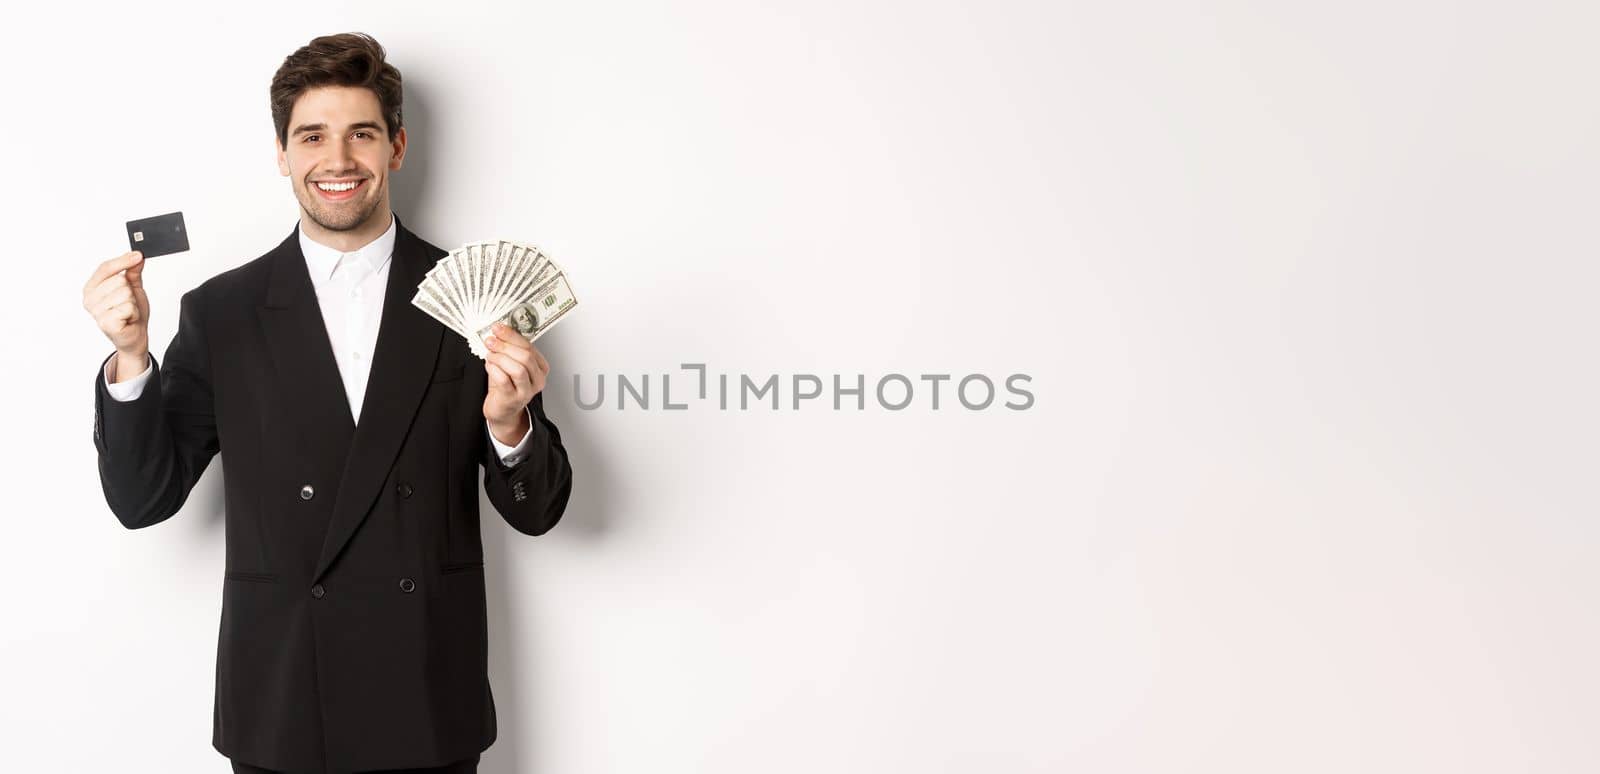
[{"x": 481, "y": 283}]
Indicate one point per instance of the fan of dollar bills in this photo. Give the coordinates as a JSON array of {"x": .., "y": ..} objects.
[{"x": 481, "y": 283}]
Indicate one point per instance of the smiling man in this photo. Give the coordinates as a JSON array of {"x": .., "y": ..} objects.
[{"x": 353, "y": 633}]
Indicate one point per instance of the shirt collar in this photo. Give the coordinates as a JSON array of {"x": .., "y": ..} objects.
[{"x": 321, "y": 259}]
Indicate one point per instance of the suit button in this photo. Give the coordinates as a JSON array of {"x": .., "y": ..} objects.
[
  {"x": 316, "y": 591},
  {"x": 404, "y": 489},
  {"x": 407, "y": 585},
  {"x": 306, "y": 492}
]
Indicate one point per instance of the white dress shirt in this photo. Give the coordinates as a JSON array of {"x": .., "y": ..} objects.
[{"x": 350, "y": 290}]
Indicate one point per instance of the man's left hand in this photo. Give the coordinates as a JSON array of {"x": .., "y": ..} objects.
[{"x": 517, "y": 372}]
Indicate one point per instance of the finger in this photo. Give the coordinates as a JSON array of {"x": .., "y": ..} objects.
[
  {"x": 122, "y": 314},
  {"x": 101, "y": 296},
  {"x": 112, "y": 300},
  {"x": 497, "y": 376},
  {"x": 531, "y": 358},
  {"x": 524, "y": 355},
  {"x": 538, "y": 358},
  {"x": 112, "y": 266},
  {"x": 513, "y": 368},
  {"x": 511, "y": 336}
]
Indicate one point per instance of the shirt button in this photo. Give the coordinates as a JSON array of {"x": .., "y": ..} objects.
[
  {"x": 306, "y": 492},
  {"x": 407, "y": 585},
  {"x": 404, "y": 489},
  {"x": 316, "y": 591},
  {"x": 357, "y": 355}
]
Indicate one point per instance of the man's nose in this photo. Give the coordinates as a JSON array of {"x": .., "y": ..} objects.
[{"x": 340, "y": 159}]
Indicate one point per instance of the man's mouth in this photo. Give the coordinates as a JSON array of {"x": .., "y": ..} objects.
[{"x": 335, "y": 191}]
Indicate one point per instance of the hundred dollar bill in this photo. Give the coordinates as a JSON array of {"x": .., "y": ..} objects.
[
  {"x": 427, "y": 302},
  {"x": 538, "y": 312},
  {"x": 515, "y": 259},
  {"x": 449, "y": 277},
  {"x": 535, "y": 274}
]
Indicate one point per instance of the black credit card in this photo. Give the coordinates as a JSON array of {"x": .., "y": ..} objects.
[{"x": 159, "y": 235}]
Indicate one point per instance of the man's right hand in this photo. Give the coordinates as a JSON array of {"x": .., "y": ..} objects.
[{"x": 114, "y": 297}]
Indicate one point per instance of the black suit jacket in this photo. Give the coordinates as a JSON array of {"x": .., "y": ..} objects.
[{"x": 353, "y": 632}]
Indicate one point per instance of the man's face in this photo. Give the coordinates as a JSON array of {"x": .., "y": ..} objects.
[{"x": 337, "y": 135}]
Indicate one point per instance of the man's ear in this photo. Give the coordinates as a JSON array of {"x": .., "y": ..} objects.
[
  {"x": 283, "y": 160},
  {"x": 399, "y": 146}
]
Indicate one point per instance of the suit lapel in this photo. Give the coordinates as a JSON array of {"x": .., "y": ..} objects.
[
  {"x": 408, "y": 346},
  {"x": 303, "y": 368}
]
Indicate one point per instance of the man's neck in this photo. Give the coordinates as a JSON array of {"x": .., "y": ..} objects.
[{"x": 352, "y": 239}]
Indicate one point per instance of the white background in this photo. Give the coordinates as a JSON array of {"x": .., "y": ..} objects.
[{"x": 1306, "y": 291}]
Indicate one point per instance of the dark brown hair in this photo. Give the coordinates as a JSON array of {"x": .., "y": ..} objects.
[{"x": 346, "y": 59}]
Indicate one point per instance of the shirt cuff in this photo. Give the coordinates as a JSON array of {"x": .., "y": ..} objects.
[
  {"x": 511, "y": 455},
  {"x": 130, "y": 389}
]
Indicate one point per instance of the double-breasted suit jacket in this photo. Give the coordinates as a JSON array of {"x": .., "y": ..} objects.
[{"x": 353, "y": 629}]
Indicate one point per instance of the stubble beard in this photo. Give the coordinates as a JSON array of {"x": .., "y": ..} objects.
[{"x": 341, "y": 216}]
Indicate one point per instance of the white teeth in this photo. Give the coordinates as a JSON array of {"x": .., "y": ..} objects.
[{"x": 337, "y": 186}]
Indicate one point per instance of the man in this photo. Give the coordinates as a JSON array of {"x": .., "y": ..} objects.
[{"x": 353, "y": 633}]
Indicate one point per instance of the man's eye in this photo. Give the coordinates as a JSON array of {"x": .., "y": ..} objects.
[
  {"x": 309, "y": 137},
  {"x": 362, "y": 133}
]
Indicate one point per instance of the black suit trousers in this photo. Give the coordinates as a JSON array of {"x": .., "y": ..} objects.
[{"x": 467, "y": 766}]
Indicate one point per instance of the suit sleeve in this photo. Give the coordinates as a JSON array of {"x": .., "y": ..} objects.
[
  {"x": 153, "y": 448},
  {"x": 531, "y": 494}
]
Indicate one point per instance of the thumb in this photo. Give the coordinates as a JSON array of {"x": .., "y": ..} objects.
[{"x": 136, "y": 273}]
